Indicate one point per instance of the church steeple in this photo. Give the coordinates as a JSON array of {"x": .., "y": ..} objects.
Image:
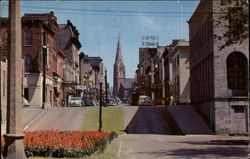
[
  {"x": 118, "y": 57},
  {"x": 119, "y": 70}
]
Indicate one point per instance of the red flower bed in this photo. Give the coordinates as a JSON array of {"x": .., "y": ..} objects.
[{"x": 55, "y": 143}]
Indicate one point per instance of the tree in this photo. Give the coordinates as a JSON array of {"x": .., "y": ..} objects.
[{"x": 235, "y": 12}]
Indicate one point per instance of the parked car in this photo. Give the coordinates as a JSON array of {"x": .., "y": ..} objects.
[
  {"x": 112, "y": 102},
  {"x": 75, "y": 101},
  {"x": 90, "y": 102},
  {"x": 144, "y": 100}
]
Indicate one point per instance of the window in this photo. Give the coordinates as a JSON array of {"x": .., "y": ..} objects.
[
  {"x": 120, "y": 74},
  {"x": 238, "y": 108},
  {"x": 27, "y": 63},
  {"x": 177, "y": 60},
  {"x": 237, "y": 71},
  {"x": 28, "y": 38}
]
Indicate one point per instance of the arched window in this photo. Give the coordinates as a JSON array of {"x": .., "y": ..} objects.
[
  {"x": 27, "y": 63},
  {"x": 237, "y": 73}
]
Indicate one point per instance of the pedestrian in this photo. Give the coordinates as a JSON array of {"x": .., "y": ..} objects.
[{"x": 171, "y": 100}]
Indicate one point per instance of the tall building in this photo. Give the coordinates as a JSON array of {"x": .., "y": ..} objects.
[
  {"x": 218, "y": 78},
  {"x": 91, "y": 71},
  {"x": 68, "y": 42},
  {"x": 38, "y": 33},
  {"x": 119, "y": 70},
  {"x": 179, "y": 55}
]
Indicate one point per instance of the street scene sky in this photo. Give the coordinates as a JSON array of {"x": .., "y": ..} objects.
[{"x": 100, "y": 22}]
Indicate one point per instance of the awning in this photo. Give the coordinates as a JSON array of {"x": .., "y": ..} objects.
[{"x": 70, "y": 91}]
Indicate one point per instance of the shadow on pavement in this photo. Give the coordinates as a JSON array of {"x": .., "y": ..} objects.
[
  {"x": 211, "y": 152},
  {"x": 217, "y": 142},
  {"x": 151, "y": 120}
]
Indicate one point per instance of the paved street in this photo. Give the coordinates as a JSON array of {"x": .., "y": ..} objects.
[
  {"x": 151, "y": 122},
  {"x": 148, "y": 134},
  {"x": 66, "y": 118},
  {"x": 28, "y": 116},
  {"x": 146, "y": 120},
  {"x": 182, "y": 147}
]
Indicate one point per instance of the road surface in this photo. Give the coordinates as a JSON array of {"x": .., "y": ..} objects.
[
  {"x": 60, "y": 118},
  {"x": 146, "y": 120},
  {"x": 148, "y": 137}
]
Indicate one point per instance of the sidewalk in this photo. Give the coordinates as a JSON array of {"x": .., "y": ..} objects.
[
  {"x": 132, "y": 146},
  {"x": 28, "y": 115}
]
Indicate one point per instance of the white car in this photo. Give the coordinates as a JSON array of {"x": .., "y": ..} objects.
[{"x": 75, "y": 101}]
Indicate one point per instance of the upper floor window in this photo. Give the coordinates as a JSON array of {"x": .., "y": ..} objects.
[
  {"x": 28, "y": 38},
  {"x": 27, "y": 63}
]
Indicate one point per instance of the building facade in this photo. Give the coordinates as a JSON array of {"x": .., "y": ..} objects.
[
  {"x": 39, "y": 43},
  {"x": 158, "y": 75},
  {"x": 180, "y": 72},
  {"x": 92, "y": 72},
  {"x": 68, "y": 42},
  {"x": 39, "y": 33},
  {"x": 219, "y": 86}
]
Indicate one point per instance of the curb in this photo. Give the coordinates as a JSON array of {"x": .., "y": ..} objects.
[{"x": 107, "y": 141}]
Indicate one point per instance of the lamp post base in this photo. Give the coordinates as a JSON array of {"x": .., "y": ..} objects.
[
  {"x": 100, "y": 129},
  {"x": 14, "y": 147}
]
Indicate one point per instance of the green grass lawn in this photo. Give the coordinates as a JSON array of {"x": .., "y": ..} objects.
[{"x": 112, "y": 119}]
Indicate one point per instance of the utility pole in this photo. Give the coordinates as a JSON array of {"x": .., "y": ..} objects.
[
  {"x": 1, "y": 99},
  {"x": 14, "y": 138},
  {"x": 106, "y": 87},
  {"x": 0, "y": 8},
  {"x": 100, "y": 110},
  {"x": 248, "y": 109},
  {"x": 44, "y": 47}
]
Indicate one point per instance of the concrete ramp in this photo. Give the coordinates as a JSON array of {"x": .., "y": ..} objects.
[{"x": 188, "y": 120}]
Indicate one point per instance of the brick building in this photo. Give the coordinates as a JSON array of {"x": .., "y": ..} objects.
[
  {"x": 218, "y": 77},
  {"x": 126, "y": 89},
  {"x": 68, "y": 42},
  {"x": 91, "y": 72},
  {"x": 38, "y": 32},
  {"x": 145, "y": 70}
]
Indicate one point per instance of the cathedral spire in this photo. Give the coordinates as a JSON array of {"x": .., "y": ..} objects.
[{"x": 118, "y": 57}]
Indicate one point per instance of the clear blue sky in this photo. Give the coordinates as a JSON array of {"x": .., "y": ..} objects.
[{"x": 99, "y": 24}]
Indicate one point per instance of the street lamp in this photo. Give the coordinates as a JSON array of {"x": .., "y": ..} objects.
[
  {"x": 100, "y": 110},
  {"x": 44, "y": 47},
  {"x": 106, "y": 88}
]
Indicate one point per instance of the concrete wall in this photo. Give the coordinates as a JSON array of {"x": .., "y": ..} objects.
[
  {"x": 228, "y": 120},
  {"x": 206, "y": 109}
]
